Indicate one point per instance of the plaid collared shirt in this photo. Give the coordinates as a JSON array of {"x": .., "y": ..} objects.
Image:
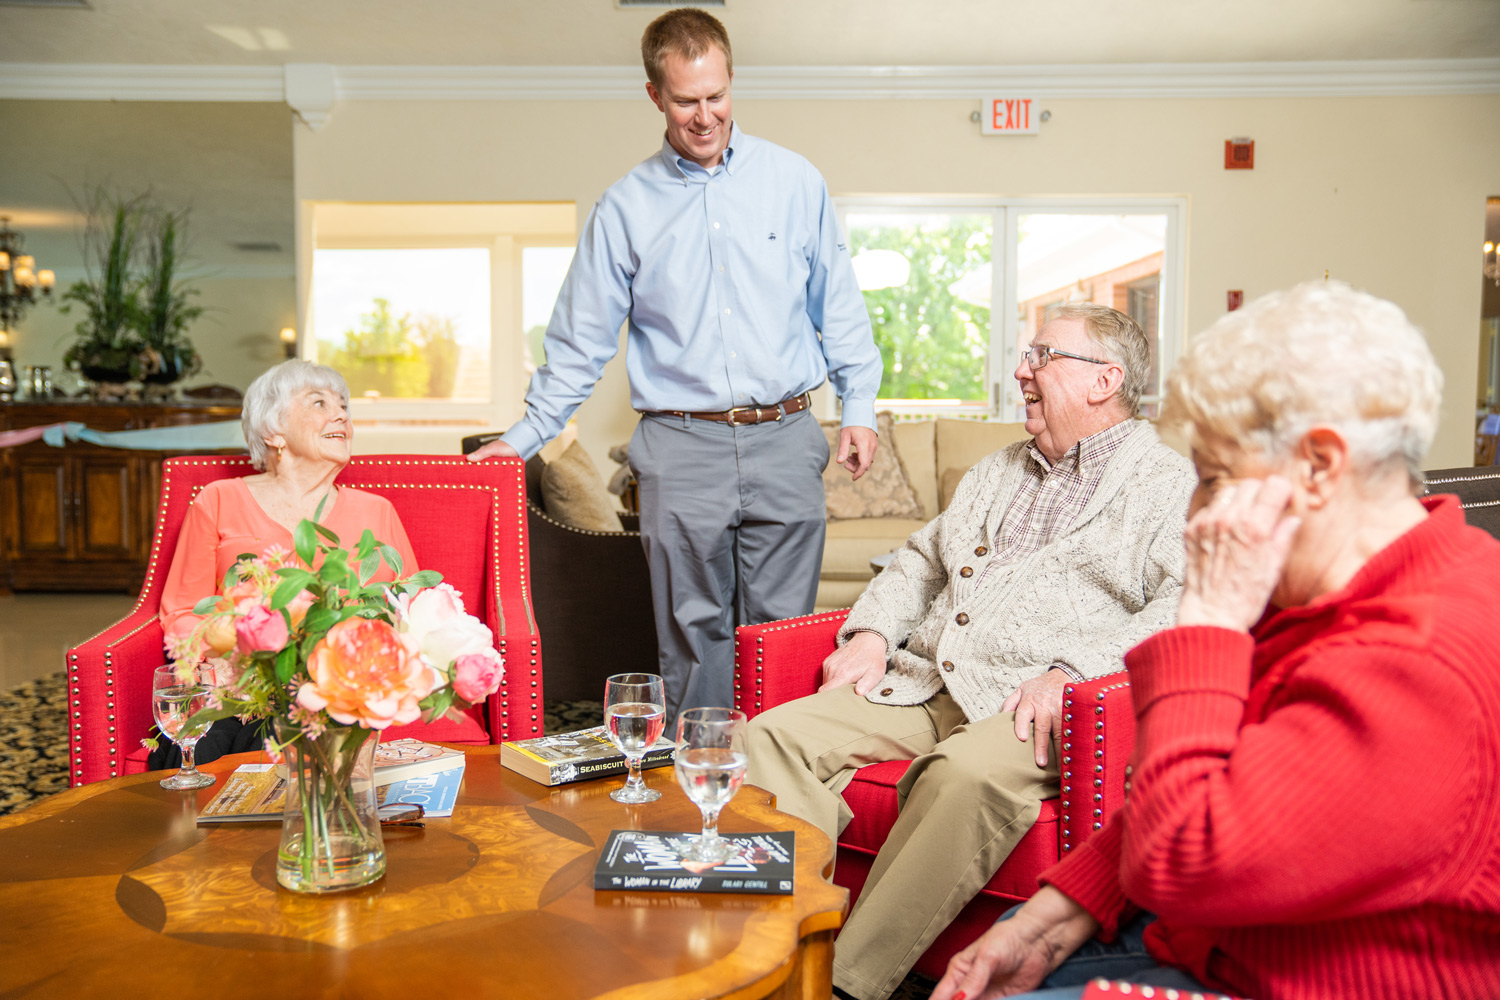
[{"x": 1052, "y": 496}]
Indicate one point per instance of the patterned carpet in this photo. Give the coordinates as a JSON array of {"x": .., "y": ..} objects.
[{"x": 34, "y": 756}]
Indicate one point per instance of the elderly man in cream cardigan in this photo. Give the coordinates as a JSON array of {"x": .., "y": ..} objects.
[{"x": 1055, "y": 556}]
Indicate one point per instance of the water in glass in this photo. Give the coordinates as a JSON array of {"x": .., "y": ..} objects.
[
  {"x": 174, "y": 701},
  {"x": 634, "y": 711},
  {"x": 711, "y": 762}
]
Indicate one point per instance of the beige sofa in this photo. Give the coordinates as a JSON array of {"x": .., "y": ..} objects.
[{"x": 934, "y": 454}]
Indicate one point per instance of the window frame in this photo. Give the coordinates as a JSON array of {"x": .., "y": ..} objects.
[{"x": 1003, "y": 402}]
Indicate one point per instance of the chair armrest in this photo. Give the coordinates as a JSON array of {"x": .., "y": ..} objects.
[
  {"x": 109, "y": 695},
  {"x": 1098, "y": 737},
  {"x": 782, "y": 660}
]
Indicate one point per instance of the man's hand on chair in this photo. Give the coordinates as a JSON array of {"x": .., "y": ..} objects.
[
  {"x": 495, "y": 449},
  {"x": 860, "y": 661},
  {"x": 1038, "y": 702}
]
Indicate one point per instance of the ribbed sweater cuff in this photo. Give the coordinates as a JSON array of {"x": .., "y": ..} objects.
[
  {"x": 1195, "y": 659},
  {"x": 1090, "y": 876}
]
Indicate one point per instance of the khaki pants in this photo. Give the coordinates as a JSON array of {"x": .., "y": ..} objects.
[{"x": 970, "y": 795}]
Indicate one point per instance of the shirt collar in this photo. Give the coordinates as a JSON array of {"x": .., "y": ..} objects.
[
  {"x": 688, "y": 170},
  {"x": 1090, "y": 452}
]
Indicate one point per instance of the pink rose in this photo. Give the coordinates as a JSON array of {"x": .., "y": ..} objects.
[
  {"x": 476, "y": 676},
  {"x": 260, "y": 630}
]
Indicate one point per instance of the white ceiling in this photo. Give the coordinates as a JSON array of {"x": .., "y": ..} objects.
[{"x": 764, "y": 32}]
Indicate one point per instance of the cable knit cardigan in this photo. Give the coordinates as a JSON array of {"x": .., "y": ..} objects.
[{"x": 1083, "y": 599}]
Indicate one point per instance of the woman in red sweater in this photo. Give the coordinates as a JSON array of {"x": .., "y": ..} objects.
[{"x": 1315, "y": 790}]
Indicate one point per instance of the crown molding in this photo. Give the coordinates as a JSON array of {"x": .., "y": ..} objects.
[{"x": 1353, "y": 78}]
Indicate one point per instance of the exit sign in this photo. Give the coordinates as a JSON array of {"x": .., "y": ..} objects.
[{"x": 1009, "y": 116}]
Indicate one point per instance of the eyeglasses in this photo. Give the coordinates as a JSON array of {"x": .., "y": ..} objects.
[{"x": 1038, "y": 356}]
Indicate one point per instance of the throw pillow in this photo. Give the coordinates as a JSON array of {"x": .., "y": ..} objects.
[
  {"x": 573, "y": 493},
  {"x": 883, "y": 491}
]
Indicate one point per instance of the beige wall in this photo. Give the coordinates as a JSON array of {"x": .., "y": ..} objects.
[{"x": 1385, "y": 193}]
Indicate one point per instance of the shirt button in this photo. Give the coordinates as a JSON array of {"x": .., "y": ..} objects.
[
  {"x": 981, "y": 551},
  {"x": 948, "y": 666},
  {"x": 966, "y": 572},
  {"x": 726, "y": 312},
  {"x": 721, "y": 268},
  {"x": 716, "y": 225},
  {"x": 962, "y": 618},
  {"x": 732, "y": 354},
  {"x": 887, "y": 692}
]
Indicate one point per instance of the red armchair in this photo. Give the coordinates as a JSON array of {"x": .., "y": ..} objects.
[
  {"x": 779, "y": 661},
  {"x": 464, "y": 520}
]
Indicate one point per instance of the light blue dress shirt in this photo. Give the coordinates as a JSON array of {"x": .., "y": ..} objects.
[{"x": 736, "y": 283}]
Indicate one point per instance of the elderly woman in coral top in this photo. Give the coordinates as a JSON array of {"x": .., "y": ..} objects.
[
  {"x": 1316, "y": 779},
  {"x": 297, "y": 427}
]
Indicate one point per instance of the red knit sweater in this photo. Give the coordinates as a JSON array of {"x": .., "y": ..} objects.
[{"x": 1316, "y": 812}]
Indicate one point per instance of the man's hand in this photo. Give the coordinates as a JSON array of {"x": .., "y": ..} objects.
[
  {"x": 857, "y": 449},
  {"x": 1038, "y": 702},
  {"x": 860, "y": 661},
  {"x": 1236, "y": 547},
  {"x": 495, "y": 449},
  {"x": 1015, "y": 955}
]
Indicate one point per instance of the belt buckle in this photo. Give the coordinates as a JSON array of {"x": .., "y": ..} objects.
[{"x": 729, "y": 414}]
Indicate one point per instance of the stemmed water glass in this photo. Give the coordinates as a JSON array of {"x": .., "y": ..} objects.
[
  {"x": 174, "y": 701},
  {"x": 635, "y": 709},
  {"x": 711, "y": 762}
]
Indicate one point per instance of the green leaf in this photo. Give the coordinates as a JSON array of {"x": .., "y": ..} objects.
[
  {"x": 210, "y": 715},
  {"x": 335, "y": 570},
  {"x": 435, "y": 704},
  {"x": 392, "y": 558},
  {"x": 286, "y": 663},
  {"x": 367, "y": 544},
  {"x": 206, "y": 604},
  {"x": 305, "y": 541},
  {"x": 327, "y": 533},
  {"x": 426, "y": 578},
  {"x": 368, "y": 567},
  {"x": 286, "y": 590},
  {"x": 319, "y": 619}
]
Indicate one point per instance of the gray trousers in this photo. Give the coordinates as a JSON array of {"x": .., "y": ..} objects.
[{"x": 732, "y": 521}]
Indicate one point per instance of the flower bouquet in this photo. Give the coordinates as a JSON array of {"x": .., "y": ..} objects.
[{"x": 306, "y": 640}]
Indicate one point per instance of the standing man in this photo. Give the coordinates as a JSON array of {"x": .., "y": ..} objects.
[{"x": 724, "y": 254}]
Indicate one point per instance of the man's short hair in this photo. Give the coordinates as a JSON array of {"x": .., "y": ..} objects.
[
  {"x": 686, "y": 31},
  {"x": 1123, "y": 341}
]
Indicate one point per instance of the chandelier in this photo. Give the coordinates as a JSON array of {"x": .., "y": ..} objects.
[{"x": 21, "y": 284}]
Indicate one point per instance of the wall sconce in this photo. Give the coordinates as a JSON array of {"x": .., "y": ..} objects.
[{"x": 289, "y": 341}]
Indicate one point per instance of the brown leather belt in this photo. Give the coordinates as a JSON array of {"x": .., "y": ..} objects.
[{"x": 744, "y": 414}]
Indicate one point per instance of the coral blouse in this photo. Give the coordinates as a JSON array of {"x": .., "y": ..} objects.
[{"x": 225, "y": 522}]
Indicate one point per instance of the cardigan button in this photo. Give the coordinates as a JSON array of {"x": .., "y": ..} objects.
[
  {"x": 948, "y": 666},
  {"x": 982, "y": 551},
  {"x": 966, "y": 572},
  {"x": 962, "y": 618},
  {"x": 887, "y": 692}
]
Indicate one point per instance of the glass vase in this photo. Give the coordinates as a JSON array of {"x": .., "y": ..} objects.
[{"x": 330, "y": 829}]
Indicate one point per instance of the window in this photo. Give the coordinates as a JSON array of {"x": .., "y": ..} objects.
[
  {"x": 426, "y": 309},
  {"x": 929, "y": 271}
]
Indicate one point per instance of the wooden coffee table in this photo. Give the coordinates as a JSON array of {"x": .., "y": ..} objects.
[{"x": 113, "y": 890}]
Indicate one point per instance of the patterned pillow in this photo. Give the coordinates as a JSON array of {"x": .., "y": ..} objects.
[
  {"x": 883, "y": 491},
  {"x": 573, "y": 493}
]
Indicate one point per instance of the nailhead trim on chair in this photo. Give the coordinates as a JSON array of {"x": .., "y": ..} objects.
[
  {"x": 1068, "y": 749},
  {"x": 777, "y": 625}
]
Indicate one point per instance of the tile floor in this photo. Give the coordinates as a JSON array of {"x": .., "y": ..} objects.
[{"x": 36, "y": 630}]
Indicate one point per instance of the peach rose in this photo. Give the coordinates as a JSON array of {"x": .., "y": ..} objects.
[
  {"x": 366, "y": 674},
  {"x": 476, "y": 676}
]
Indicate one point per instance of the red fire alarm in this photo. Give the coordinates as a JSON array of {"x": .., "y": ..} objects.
[{"x": 1239, "y": 154}]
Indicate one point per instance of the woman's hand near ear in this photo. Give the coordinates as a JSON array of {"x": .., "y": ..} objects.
[{"x": 1236, "y": 548}]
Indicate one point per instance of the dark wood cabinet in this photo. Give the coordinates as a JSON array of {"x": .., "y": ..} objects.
[{"x": 80, "y": 517}]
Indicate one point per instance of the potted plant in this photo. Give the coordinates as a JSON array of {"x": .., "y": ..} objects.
[
  {"x": 163, "y": 311},
  {"x": 107, "y": 348}
]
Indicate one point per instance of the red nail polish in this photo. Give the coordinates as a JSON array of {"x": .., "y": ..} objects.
[{"x": 960, "y": 995}]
